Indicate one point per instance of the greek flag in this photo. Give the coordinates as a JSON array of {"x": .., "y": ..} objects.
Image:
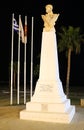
[
  {"x": 15, "y": 25},
  {"x": 19, "y": 28}
]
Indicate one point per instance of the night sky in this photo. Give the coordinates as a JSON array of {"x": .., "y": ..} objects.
[{"x": 71, "y": 13}]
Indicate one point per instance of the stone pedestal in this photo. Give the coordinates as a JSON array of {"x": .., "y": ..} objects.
[{"x": 49, "y": 103}]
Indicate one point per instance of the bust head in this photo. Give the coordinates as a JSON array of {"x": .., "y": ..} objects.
[{"x": 49, "y": 8}]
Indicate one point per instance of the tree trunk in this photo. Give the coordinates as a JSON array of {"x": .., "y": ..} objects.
[
  {"x": 68, "y": 72},
  {"x": 14, "y": 80},
  {"x": 9, "y": 80}
]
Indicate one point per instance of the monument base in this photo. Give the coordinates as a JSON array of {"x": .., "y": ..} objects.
[
  {"x": 50, "y": 105},
  {"x": 47, "y": 112}
]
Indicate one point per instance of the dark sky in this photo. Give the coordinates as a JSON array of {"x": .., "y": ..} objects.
[{"x": 71, "y": 13}]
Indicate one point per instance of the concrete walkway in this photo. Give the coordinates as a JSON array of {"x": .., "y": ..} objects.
[{"x": 9, "y": 120}]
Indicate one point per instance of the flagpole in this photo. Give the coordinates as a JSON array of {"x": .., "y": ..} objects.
[
  {"x": 32, "y": 58},
  {"x": 11, "y": 95},
  {"x": 25, "y": 33},
  {"x": 18, "y": 75}
]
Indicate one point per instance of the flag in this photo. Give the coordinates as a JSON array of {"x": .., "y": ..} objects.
[
  {"x": 25, "y": 30},
  {"x": 15, "y": 25},
  {"x": 18, "y": 28},
  {"x": 21, "y": 31}
]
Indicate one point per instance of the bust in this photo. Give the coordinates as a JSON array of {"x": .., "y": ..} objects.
[{"x": 49, "y": 18}]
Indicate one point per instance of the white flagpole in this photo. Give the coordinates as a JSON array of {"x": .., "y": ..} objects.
[
  {"x": 25, "y": 32},
  {"x": 11, "y": 98},
  {"x": 18, "y": 76},
  {"x": 32, "y": 58}
]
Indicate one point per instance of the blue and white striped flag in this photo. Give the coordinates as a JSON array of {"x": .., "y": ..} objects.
[{"x": 15, "y": 25}]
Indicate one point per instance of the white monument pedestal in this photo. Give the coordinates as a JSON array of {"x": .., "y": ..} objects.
[{"x": 49, "y": 103}]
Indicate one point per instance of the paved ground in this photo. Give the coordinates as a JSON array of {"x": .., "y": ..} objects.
[{"x": 9, "y": 120}]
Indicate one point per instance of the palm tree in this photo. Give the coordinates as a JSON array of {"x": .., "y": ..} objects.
[{"x": 69, "y": 41}]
